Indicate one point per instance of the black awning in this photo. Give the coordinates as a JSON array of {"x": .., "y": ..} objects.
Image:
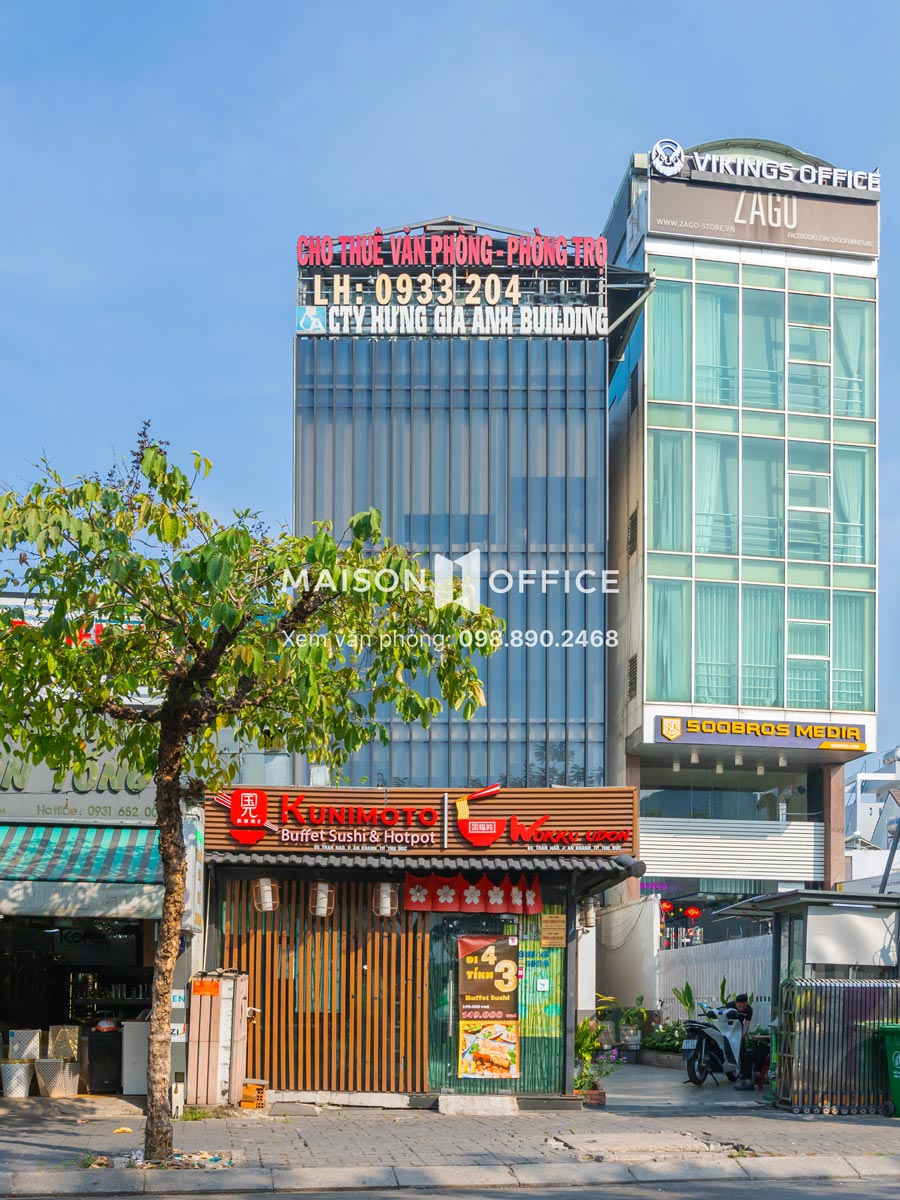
[{"x": 607, "y": 870}]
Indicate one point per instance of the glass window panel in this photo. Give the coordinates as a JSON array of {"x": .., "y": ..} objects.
[
  {"x": 807, "y": 683},
  {"x": 809, "y": 310},
  {"x": 669, "y": 469},
  {"x": 716, "y": 495},
  {"x": 768, "y": 424},
  {"x": 722, "y": 419},
  {"x": 716, "y": 272},
  {"x": 854, "y": 358},
  {"x": 763, "y": 498},
  {"x": 818, "y": 428},
  {"x": 759, "y": 571},
  {"x": 854, "y": 285},
  {"x": 674, "y": 416},
  {"x": 806, "y": 456},
  {"x": 678, "y": 565},
  {"x": 716, "y": 644},
  {"x": 763, "y": 333},
  {"x": 807, "y": 639},
  {"x": 674, "y": 268},
  {"x": 808, "y": 604},
  {"x": 669, "y": 338},
  {"x": 860, "y": 432},
  {"x": 811, "y": 344},
  {"x": 762, "y": 657},
  {"x": 809, "y": 491},
  {"x": 716, "y": 345},
  {"x": 716, "y": 568},
  {"x": 770, "y": 277},
  {"x": 854, "y": 577},
  {"x": 854, "y": 651},
  {"x": 810, "y": 281},
  {"x": 854, "y": 505},
  {"x": 809, "y": 574},
  {"x": 808, "y": 536},
  {"x": 668, "y": 640}
]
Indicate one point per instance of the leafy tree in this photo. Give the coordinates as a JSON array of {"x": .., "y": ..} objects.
[{"x": 200, "y": 631}]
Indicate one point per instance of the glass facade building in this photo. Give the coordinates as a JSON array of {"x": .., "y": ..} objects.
[
  {"x": 743, "y": 497},
  {"x": 760, "y": 498},
  {"x": 495, "y": 444}
]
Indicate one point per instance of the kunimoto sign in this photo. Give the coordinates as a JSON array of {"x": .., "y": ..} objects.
[{"x": 398, "y": 821}]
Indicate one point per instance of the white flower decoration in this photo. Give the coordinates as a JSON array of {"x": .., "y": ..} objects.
[
  {"x": 515, "y": 895},
  {"x": 529, "y": 897},
  {"x": 446, "y": 894},
  {"x": 472, "y": 895},
  {"x": 495, "y": 895},
  {"x": 418, "y": 894}
]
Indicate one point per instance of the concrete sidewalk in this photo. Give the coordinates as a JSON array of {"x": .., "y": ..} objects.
[{"x": 673, "y": 1134}]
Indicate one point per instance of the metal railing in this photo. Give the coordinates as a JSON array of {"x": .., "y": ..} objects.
[{"x": 831, "y": 1057}]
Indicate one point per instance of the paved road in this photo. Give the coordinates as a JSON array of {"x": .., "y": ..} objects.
[{"x": 814, "y": 1190}]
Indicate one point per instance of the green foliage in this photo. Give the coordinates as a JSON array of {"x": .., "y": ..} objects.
[
  {"x": 596, "y": 1064},
  {"x": 193, "y": 1113},
  {"x": 666, "y": 1037},
  {"x": 685, "y": 997},
  {"x": 202, "y": 632},
  {"x": 635, "y": 1014},
  {"x": 587, "y": 1040},
  {"x": 605, "y": 1006}
]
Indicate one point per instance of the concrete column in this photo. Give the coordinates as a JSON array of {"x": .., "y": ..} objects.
[
  {"x": 632, "y": 887},
  {"x": 833, "y": 813}
]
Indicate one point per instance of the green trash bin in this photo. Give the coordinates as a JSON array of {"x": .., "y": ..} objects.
[{"x": 891, "y": 1035}]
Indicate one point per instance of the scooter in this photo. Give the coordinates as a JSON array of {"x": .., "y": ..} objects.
[{"x": 713, "y": 1046}]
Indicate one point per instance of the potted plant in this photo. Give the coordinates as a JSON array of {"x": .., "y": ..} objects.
[
  {"x": 607, "y": 1007},
  {"x": 631, "y": 1023},
  {"x": 596, "y": 1064}
]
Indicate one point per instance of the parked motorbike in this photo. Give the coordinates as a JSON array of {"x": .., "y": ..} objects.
[{"x": 712, "y": 1046}]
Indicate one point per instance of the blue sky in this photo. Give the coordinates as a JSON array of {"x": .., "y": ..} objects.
[{"x": 157, "y": 161}]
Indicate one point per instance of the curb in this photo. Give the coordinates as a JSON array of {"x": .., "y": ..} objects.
[{"x": 542, "y": 1174}]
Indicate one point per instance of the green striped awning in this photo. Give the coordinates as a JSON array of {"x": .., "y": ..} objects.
[{"x": 75, "y": 853}]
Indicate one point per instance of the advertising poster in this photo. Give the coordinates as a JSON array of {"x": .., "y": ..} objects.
[{"x": 488, "y": 1006}]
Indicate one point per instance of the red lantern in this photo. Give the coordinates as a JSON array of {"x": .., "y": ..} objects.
[
  {"x": 667, "y": 906},
  {"x": 693, "y": 912}
]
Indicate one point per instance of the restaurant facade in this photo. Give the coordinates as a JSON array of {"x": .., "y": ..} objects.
[{"x": 412, "y": 940}]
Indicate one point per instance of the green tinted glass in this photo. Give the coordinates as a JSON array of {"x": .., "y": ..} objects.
[
  {"x": 818, "y": 282},
  {"x": 770, "y": 277},
  {"x": 669, "y": 266}
]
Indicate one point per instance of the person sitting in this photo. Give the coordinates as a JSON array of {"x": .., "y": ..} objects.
[{"x": 745, "y": 1012}]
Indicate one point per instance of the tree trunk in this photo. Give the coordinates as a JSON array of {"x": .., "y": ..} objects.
[{"x": 158, "y": 1134}]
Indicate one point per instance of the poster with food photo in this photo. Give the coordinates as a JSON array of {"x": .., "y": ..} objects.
[
  {"x": 489, "y": 1049},
  {"x": 488, "y": 1006}
]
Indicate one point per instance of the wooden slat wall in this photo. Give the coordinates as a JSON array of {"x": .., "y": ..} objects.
[{"x": 343, "y": 1000}]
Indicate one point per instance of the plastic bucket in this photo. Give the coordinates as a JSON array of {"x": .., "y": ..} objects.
[
  {"x": 24, "y": 1043},
  {"x": 15, "y": 1075}
]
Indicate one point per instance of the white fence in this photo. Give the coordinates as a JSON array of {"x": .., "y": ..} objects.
[{"x": 746, "y": 964}]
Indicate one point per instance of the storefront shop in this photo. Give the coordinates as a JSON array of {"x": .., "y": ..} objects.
[
  {"x": 79, "y": 905},
  {"x": 401, "y": 941}
]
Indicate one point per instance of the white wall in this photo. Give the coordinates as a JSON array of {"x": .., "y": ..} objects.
[
  {"x": 627, "y": 950},
  {"x": 586, "y": 973},
  {"x": 746, "y": 964}
]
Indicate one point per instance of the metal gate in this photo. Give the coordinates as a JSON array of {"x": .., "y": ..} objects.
[
  {"x": 343, "y": 999},
  {"x": 830, "y": 1054}
]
